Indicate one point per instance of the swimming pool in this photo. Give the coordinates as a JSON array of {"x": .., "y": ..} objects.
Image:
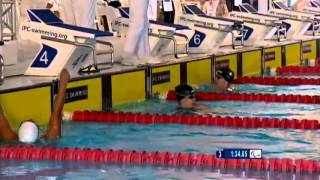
[{"x": 176, "y": 138}]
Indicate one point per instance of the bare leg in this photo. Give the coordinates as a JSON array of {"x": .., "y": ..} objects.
[
  {"x": 6, "y": 133},
  {"x": 49, "y": 5},
  {"x": 57, "y": 13},
  {"x": 54, "y": 129}
]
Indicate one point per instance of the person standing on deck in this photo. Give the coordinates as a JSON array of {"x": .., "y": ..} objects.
[
  {"x": 137, "y": 46},
  {"x": 210, "y": 7}
]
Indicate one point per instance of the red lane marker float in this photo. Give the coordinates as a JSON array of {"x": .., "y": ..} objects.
[
  {"x": 298, "y": 70},
  {"x": 156, "y": 158},
  {"x": 210, "y": 96},
  {"x": 277, "y": 81},
  {"x": 237, "y": 122}
]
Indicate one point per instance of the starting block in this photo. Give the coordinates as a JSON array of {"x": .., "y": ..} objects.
[{"x": 62, "y": 45}]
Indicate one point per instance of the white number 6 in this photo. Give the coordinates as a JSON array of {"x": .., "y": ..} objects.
[{"x": 197, "y": 39}]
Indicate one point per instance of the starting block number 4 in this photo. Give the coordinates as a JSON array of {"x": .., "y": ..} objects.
[{"x": 44, "y": 57}]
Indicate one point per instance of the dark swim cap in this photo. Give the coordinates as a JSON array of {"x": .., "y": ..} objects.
[
  {"x": 226, "y": 74},
  {"x": 183, "y": 91}
]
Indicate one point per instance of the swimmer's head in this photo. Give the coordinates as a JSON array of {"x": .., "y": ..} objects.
[
  {"x": 184, "y": 91},
  {"x": 28, "y": 132},
  {"x": 224, "y": 78},
  {"x": 185, "y": 95},
  {"x": 227, "y": 74}
]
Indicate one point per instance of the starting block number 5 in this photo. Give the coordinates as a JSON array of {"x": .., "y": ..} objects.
[{"x": 44, "y": 57}]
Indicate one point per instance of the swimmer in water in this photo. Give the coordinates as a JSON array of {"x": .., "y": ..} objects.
[
  {"x": 28, "y": 131},
  {"x": 185, "y": 96},
  {"x": 224, "y": 80}
]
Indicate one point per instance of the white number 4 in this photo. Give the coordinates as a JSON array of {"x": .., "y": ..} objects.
[{"x": 44, "y": 57}]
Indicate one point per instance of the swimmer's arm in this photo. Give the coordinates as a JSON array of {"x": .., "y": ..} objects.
[
  {"x": 232, "y": 88},
  {"x": 54, "y": 129},
  {"x": 200, "y": 106},
  {"x": 203, "y": 109},
  {"x": 6, "y": 133},
  {"x": 211, "y": 86},
  {"x": 57, "y": 13}
]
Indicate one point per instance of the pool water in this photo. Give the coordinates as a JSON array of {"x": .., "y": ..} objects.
[
  {"x": 231, "y": 108},
  {"x": 191, "y": 139},
  {"x": 176, "y": 138},
  {"x": 49, "y": 170}
]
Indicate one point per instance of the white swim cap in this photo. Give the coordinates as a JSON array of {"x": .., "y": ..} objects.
[{"x": 28, "y": 132}]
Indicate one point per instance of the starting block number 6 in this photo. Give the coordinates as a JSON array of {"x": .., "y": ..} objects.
[
  {"x": 197, "y": 39},
  {"x": 45, "y": 57}
]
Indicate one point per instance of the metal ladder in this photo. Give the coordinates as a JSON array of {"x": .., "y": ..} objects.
[
  {"x": 173, "y": 36},
  {"x": 237, "y": 35},
  {"x": 316, "y": 27},
  {"x": 1, "y": 70},
  {"x": 8, "y": 20},
  {"x": 281, "y": 30}
]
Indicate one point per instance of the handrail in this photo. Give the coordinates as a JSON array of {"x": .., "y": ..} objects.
[
  {"x": 315, "y": 28},
  {"x": 1, "y": 70},
  {"x": 240, "y": 34},
  {"x": 110, "y": 45},
  {"x": 168, "y": 34},
  {"x": 281, "y": 30},
  {"x": 186, "y": 39}
]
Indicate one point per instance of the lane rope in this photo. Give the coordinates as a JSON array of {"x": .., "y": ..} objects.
[
  {"x": 197, "y": 120},
  {"x": 298, "y": 70},
  {"x": 277, "y": 81},
  {"x": 178, "y": 159},
  {"x": 283, "y": 98}
]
